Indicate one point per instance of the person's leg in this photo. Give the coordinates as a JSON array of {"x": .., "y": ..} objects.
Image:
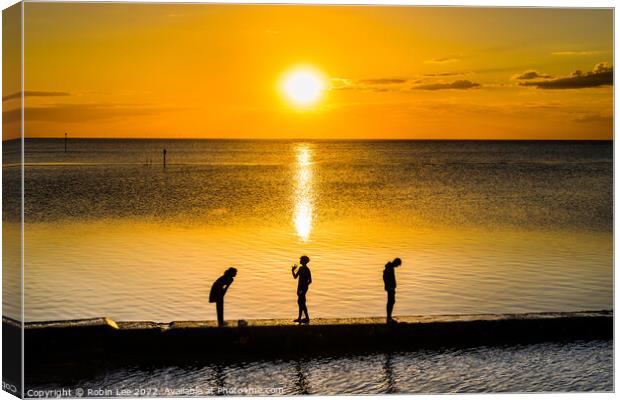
[
  {"x": 304, "y": 308},
  {"x": 390, "y": 303},
  {"x": 299, "y": 305},
  {"x": 219, "y": 305}
]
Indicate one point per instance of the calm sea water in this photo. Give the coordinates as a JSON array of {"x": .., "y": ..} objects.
[
  {"x": 482, "y": 227},
  {"x": 545, "y": 367}
]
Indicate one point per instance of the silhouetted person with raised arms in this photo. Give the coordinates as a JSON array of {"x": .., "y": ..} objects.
[
  {"x": 218, "y": 290},
  {"x": 304, "y": 279},
  {"x": 389, "y": 281}
]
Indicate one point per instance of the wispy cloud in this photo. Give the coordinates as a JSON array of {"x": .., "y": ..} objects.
[
  {"x": 33, "y": 93},
  {"x": 531, "y": 74},
  {"x": 340, "y": 83},
  {"x": 595, "y": 118},
  {"x": 601, "y": 75},
  {"x": 442, "y": 60},
  {"x": 444, "y": 74},
  {"x": 492, "y": 70},
  {"x": 382, "y": 81},
  {"x": 456, "y": 85},
  {"x": 373, "y": 84},
  {"x": 540, "y": 106},
  {"x": 402, "y": 84},
  {"x": 575, "y": 53},
  {"x": 69, "y": 113}
]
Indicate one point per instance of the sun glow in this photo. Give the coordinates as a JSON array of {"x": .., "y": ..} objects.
[
  {"x": 303, "y": 87},
  {"x": 302, "y": 217}
]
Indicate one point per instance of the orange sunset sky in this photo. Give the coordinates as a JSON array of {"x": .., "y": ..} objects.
[{"x": 216, "y": 71}]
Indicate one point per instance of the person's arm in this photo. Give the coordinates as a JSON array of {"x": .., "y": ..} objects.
[
  {"x": 295, "y": 273},
  {"x": 226, "y": 286},
  {"x": 309, "y": 276}
]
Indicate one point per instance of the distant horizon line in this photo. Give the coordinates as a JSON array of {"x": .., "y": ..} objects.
[{"x": 320, "y": 139}]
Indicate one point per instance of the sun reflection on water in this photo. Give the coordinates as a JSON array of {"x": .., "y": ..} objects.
[{"x": 302, "y": 217}]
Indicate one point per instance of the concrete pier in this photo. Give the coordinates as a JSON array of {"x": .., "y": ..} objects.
[{"x": 105, "y": 339}]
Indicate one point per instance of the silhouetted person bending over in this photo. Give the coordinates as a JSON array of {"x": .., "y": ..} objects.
[
  {"x": 389, "y": 281},
  {"x": 304, "y": 279},
  {"x": 218, "y": 290}
]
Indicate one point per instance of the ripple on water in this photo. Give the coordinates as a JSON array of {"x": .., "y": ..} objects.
[
  {"x": 545, "y": 367},
  {"x": 482, "y": 227}
]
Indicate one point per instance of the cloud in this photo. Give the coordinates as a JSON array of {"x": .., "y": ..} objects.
[
  {"x": 595, "y": 118},
  {"x": 459, "y": 85},
  {"x": 496, "y": 69},
  {"x": 442, "y": 60},
  {"x": 69, "y": 113},
  {"x": 444, "y": 74},
  {"x": 575, "y": 53},
  {"x": 541, "y": 106},
  {"x": 33, "y": 93},
  {"x": 603, "y": 67},
  {"x": 531, "y": 74},
  {"x": 375, "y": 84},
  {"x": 340, "y": 83},
  {"x": 601, "y": 75},
  {"x": 381, "y": 81},
  {"x": 401, "y": 84}
]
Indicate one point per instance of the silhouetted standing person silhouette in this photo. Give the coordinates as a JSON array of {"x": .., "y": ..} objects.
[
  {"x": 218, "y": 290},
  {"x": 164, "y": 152},
  {"x": 389, "y": 281},
  {"x": 304, "y": 279}
]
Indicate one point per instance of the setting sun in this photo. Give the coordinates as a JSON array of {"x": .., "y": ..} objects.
[{"x": 303, "y": 87}]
